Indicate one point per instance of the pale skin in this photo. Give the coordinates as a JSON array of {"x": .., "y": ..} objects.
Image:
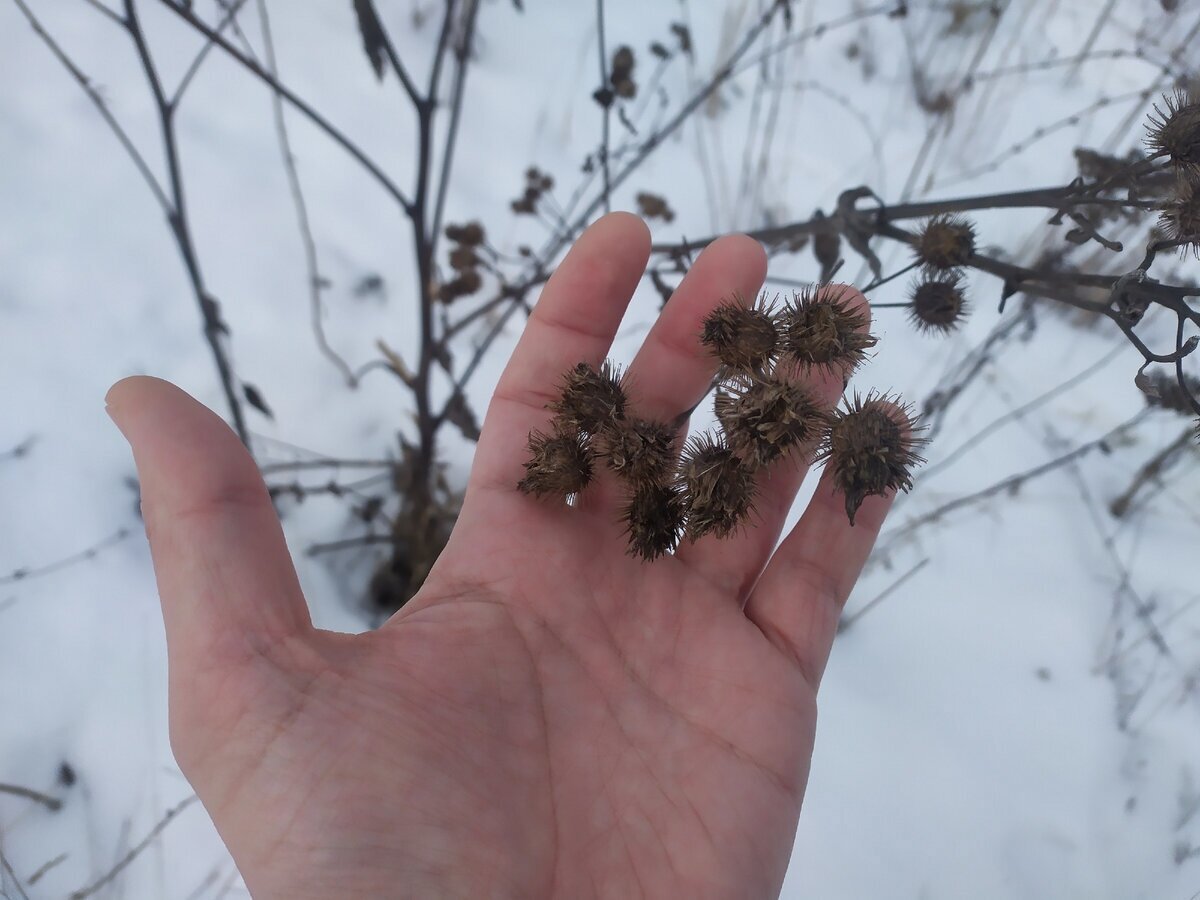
[{"x": 548, "y": 717}]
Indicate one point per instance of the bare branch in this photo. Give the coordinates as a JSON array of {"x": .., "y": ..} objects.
[
  {"x": 315, "y": 281},
  {"x": 129, "y": 857},
  {"x": 311, "y": 114},
  {"x": 51, "y": 803},
  {"x": 102, "y": 107}
]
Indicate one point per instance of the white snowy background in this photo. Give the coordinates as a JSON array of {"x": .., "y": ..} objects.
[{"x": 1000, "y": 725}]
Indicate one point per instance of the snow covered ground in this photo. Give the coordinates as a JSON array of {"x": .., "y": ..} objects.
[{"x": 999, "y": 726}]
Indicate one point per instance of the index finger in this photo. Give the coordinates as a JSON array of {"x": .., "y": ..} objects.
[{"x": 575, "y": 320}]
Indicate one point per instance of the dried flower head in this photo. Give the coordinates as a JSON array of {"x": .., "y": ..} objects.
[
  {"x": 654, "y": 206},
  {"x": 720, "y": 487},
  {"x": 764, "y": 419},
  {"x": 822, "y": 328},
  {"x": 1164, "y": 390},
  {"x": 591, "y": 399},
  {"x": 465, "y": 284},
  {"x": 464, "y": 257},
  {"x": 560, "y": 464},
  {"x": 1181, "y": 216},
  {"x": 638, "y": 450},
  {"x": 620, "y": 75},
  {"x": 653, "y": 519},
  {"x": 872, "y": 449},
  {"x": 945, "y": 242},
  {"x": 937, "y": 303},
  {"x": 470, "y": 235},
  {"x": 1174, "y": 130},
  {"x": 744, "y": 338}
]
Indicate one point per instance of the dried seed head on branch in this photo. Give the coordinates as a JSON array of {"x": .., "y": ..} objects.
[
  {"x": 744, "y": 338},
  {"x": 937, "y": 303},
  {"x": 945, "y": 242},
  {"x": 720, "y": 487},
  {"x": 1181, "y": 217},
  {"x": 872, "y": 448},
  {"x": 821, "y": 327},
  {"x": 765, "y": 419},
  {"x": 1174, "y": 131},
  {"x": 470, "y": 234}
]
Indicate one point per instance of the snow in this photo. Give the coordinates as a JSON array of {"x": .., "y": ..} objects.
[{"x": 996, "y": 727}]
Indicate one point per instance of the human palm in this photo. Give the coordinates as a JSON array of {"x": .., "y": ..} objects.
[{"x": 548, "y": 717}]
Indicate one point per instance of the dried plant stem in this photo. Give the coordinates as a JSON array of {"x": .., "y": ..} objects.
[
  {"x": 314, "y": 279},
  {"x": 846, "y": 621},
  {"x": 186, "y": 13},
  {"x": 214, "y": 328},
  {"x": 605, "y": 108},
  {"x": 28, "y": 572},
  {"x": 51, "y": 803},
  {"x": 8, "y": 870},
  {"x": 137, "y": 849},
  {"x": 1013, "y": 482},
  {"x": 1152, "y": 470}
]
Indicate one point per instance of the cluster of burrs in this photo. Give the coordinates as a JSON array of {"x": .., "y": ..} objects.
[{"x": 768, "y": 409}]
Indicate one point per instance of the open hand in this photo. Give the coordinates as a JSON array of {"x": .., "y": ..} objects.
[{"x": 548, "y": 717}]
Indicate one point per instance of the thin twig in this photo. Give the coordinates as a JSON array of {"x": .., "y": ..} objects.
[
  {"x": 1013, "y": 482},
  {"x": 1019, "y": 412},
  {"x": 51, "y": 803},
  {"x": 8, "y": 870},
  {"x": 315, "y": 281},
  {"x": 300, "y": 105},
  {"x": 129, "y": 857},
  {"x": 846, "y": 621},
  {"x": 214, "y": 328},
  {"x": 348, "y": 544},
  {"x": 230, "y": 14},
  {"x": 462, "y": 58},
  {"x": 1152, "y": 470},
  {"x": 605, "y": 108},
  {"x": 23, "y": 574},
  {"x": 299, "y": 465},
  {"x": 46, "y": 867},
  {"x": 84, "y": 82}
]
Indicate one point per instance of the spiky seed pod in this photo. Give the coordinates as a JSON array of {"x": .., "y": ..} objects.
[
  {"x": 559, "y": 465},
  {"x": 1174, "y": 131},
  {"x": 1163, "y": 390},
  {"x": 591, "y": 400},
  {"x": 821, "y": 328},
  {"x": 945, "y": 242},
  {"x": 720, "y": 487},
  {"x": 872, "y": 448},
  {"x": 744, "y": 338},
  {"x": 1181, "y": 217},
  {"x": 653, "y": 517},
  {"x": 937, "y": 303},
  {"x": 638, "y": 450},
  {"x": 764, "y": 419}
]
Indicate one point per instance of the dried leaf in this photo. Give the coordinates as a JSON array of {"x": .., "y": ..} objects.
[
  {"x": 255, "y": 399},
  {"x": 373, "y": 36},
  {"x": 462, "y": 417}
]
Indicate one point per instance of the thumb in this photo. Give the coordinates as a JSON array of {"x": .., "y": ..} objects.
[{"x": 228, "y": 588}]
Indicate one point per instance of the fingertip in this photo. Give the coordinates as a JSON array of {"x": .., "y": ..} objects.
[
  {"x": 133, "y": 393},
  {"x": 750, "y": 249},
  {"x": 631, "y": 224}
]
